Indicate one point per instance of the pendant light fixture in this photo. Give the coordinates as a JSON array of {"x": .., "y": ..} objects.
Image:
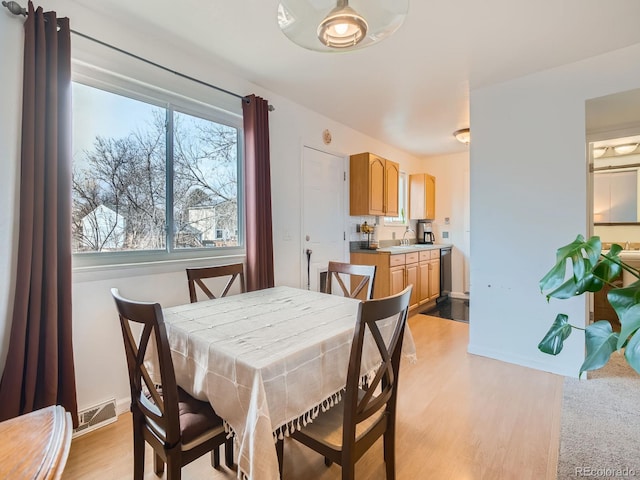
[
  {"x": 343, "y": 27},
  {"x": 340, "y": 25}
]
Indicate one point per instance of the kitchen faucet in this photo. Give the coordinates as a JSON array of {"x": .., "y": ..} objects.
[{"x": 407, "y": 230}]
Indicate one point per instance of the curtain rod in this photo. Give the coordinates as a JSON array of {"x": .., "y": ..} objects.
[{"x": 16, "y": 9}]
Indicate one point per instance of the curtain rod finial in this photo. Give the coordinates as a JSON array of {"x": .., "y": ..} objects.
[{"x": 15, "y": 8}]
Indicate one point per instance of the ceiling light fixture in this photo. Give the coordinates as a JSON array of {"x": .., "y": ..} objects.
[
  {"x": 340, "y": 25},
  {"x": 625, "y": 149},
  {"x": 598, "y": 152},
  {"x": 463, "y": 135},
  {"x": 343, "y": 27}
]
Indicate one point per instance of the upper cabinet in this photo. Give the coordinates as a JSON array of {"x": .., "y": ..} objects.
[
  {"x": 422, "y": 196},
  {"x": 615, "y": 197},
  {"x": 373, "y": 188}
]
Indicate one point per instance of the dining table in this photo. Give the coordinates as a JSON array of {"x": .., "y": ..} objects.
[
  {"x": 36, "y": 445},
  {"x": 268, "y": 361}
]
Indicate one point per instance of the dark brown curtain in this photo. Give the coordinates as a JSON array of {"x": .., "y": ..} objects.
[
  {"x": 39, "y": 369},
  {"x": 259, "y": 237}
]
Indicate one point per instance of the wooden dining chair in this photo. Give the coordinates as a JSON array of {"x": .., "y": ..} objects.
[
  {"x": 195, "y": 276},
  {"x": 366, "y": 274},
  {"x": 178, "y": 427},
  {"x": 345, "y": 432}
]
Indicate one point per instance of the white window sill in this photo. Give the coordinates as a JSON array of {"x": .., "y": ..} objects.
[{"x": 90, "y": 273}]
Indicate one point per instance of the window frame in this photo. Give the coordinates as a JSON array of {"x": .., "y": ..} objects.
[
  {"x": 173, "y": 102},
  {"x": 402, "y": 203}
]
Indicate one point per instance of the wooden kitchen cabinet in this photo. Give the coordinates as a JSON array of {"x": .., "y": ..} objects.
[
  {"x": 373, "y": 185},
  {"x": 422, "y": 196},
  {"x": 394, "y": 273},
  {"x": 434, "y": 275},
  {"x": 411, "y": 277},
  {"x": 429, "y": 272},
  {"x": 396, "y": 280},
  {"x": 424, "y": 268}
]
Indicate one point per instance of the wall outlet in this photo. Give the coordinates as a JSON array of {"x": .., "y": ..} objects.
[
  {"x": 393, "y": 235},
  {"x": 445, "y": 234}
]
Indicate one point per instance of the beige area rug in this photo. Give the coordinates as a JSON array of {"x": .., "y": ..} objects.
[{"x": 600, "y": 424}]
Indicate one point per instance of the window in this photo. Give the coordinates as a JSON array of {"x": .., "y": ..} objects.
[
  {"x": 401, "y": 219},
  {"x": 152, "y": 178}
]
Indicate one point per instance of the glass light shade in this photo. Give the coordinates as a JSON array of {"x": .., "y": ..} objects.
[
  {"x": 463, "y": 135},
  {"x": 598, "y": 152},
  {"x": 342, "y": 28},
  {"x": 340, "y": 25},
  {"x": 625, "y": 149}
]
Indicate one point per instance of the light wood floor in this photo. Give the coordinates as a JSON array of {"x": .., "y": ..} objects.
[{"x": 460, "y": 417}]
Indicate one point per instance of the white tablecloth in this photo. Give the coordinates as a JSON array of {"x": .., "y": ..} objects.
[{"x": 267, "y": 361}]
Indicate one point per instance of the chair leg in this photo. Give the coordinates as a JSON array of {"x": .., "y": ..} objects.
[
  {"x": 158, "y": 464},
  {"x": 348, "y": 471},
  {"x": 138, "y": 454},
  {"x": 390, "y": 454},
  {"x": 280, "y": 452},
  {"x": 228, "y": 452},
  {"x": 215, "y": 457},
  {"x": 173, "y": 468}
]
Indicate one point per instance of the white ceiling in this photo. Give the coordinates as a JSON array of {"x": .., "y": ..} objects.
[{"x": 411, "y": 90}]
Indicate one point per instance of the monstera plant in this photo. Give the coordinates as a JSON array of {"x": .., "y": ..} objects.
[{"x": 582, "y": 267}]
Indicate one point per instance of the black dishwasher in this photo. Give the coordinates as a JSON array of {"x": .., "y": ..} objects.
[{"x": 445, "y": 274}]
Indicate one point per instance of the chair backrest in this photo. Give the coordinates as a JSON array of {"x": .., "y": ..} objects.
[
  {"x": 157, "y": 404},
  {"x": 366, "y": 274},
  {"x": 384, "y": 319},
  {"x": 196, "y": 275}
]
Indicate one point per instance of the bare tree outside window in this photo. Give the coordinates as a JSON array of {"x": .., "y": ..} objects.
[
  {"x": 120, "y": 178},
  {"x": 205, "y": 181}
]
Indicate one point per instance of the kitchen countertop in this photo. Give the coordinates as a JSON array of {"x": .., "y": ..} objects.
[{"x": 397, "y": 249}]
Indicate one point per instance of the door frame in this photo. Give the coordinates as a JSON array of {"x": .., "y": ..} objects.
[{"x": 630, "y": 130}]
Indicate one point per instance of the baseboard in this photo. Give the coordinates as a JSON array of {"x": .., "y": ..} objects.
[
  {"x": 522, "y": 361},
  {"x": 460, "y": 295}
]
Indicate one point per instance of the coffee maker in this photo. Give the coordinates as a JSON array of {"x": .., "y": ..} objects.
[{"x": 425, "y": 232}]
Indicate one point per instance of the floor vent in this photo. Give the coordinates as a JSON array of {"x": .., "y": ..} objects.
[{"x": 95, "y": 417}]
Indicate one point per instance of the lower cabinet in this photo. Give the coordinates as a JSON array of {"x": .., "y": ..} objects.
[
  {"x": 434, "y": 275},
  {"x": 429, "y": 275},
  {"x": 403, "y": 271},
  {"x": 396, "y": 280},
  {"x": 411, "y": 277},
  {"x": 394, "y": 272}
]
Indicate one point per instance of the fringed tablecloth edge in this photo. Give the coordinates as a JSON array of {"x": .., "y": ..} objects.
[{"x": 297, "y": 423}]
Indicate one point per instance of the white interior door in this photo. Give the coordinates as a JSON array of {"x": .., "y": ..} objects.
[{"x": 323, "y": 213}]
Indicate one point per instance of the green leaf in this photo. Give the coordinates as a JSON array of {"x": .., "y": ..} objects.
[
  {"x": 554, "y": 278},
  {"x": 552, "y": 342},
  {"x": 624, "y": 302},
  {"x": 632, "y": 352},
  {"x": 601, "y": 342},
  {"x": 609, "y": 267},
  {"x": 583, "y": 258},
  {"x": 630, "y": 322}
]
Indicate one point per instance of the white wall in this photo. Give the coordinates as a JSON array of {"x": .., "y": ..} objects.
[
  {"x": 10, "y": 119},
  {"x": 529, "y": 197},
  {"x": 452, "y": 202},
  {"x": 99, "y": 355}
]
